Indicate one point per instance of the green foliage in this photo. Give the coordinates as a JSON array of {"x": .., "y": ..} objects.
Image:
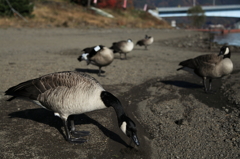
[
  {"x": 24, "y": 7},
  {"x": 197, "y": 16}
]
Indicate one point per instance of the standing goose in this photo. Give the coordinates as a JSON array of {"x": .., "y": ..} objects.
[
  {"x": 145, "y": 42},
  {"x": 98, "y": 55},
  {"x": 122, "y": 47},
  {"x": 69, "y": 93},
  {"x": 210, "y": 66}
]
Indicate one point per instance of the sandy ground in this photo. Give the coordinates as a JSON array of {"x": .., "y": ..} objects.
[{"x": 174, "y": 117}]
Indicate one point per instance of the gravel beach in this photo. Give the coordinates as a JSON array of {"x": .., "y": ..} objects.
[{"x": 175, "y": 118}]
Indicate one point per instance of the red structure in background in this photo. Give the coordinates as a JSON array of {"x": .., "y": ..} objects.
[
  {"x": 114, "y": 3},
  {"x": 107, "y": 3}
]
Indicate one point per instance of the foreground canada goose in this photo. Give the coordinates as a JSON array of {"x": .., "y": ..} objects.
[
  {"x": 122, "y": 47},
  {"x": 145, "y": 42},
  {"x": 210, "y": 66},
  {"x": 98, "y": 55},
  {"x": 69, "y": 93}
]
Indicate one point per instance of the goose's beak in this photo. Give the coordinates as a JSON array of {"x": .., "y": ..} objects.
[{"x": 135, "y": 139}]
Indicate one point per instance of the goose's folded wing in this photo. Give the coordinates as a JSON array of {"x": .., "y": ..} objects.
[
  {"x": 211, "y": 59},
  {"x": 33, "y": 88}
]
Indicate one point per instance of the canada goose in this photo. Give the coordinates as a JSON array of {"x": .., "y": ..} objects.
[
  {"x": 210, "y": 66},
  {"x": 122, "y": 47},
  {"x": 98, "y": 55},
  {"x": 145, "y": 42},
  {"x": 69, "y": 93}
]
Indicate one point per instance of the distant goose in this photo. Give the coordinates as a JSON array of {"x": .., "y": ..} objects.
[
  {"x": 145, "y": 42},
  {"x": 122, "y": 47},
  {"x": 69, "y": 93},
  {"x": 98, "y": 55},
  {"x": 210, "y": 66}
]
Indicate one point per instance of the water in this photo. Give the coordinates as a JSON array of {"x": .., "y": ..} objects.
[{"x": 231, "y": 39}]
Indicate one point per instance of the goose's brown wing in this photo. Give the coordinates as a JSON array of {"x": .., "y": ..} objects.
[{"x": 31, "y": 89}]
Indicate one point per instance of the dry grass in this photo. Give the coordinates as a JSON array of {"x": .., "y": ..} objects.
[{"x": 63, "y": 14}]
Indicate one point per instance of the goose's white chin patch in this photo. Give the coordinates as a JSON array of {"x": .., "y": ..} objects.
[
  {"x": 84, "y": 56},
  {"x": 123, "y": 127},
  {"x": 97, "y": 48},
  {"x": 227, "y": 51},
  {"x": 57, "y": 114}
]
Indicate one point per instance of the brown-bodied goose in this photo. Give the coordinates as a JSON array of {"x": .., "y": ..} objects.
[
  {"x": 69, "y": 93},
  {"x": 145, "y": 42},
  {"x": 98, "y": 55},
  {"x": 122, "y": 47},
  {"x": 210, "y": 66}
]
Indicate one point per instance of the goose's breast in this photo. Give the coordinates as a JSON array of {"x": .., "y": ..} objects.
[
  {"x": 225, "y": 67},
  {"x": 105, "y": 58},
  {"x": 149, "y": 41},
  {"x": 128, "y": 47}
]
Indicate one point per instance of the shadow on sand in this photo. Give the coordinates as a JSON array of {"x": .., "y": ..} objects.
[
  {"x": 47, "y": 117},
  {"x": 91, "y": 71},
  {"x": 182, "y": 84}
]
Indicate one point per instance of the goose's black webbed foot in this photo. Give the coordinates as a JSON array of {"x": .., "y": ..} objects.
[{"x": 79, "y": 134}]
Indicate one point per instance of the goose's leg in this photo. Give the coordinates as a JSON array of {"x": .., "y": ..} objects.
[
  {"x": 205, "y": 84},
  {"x": 73, "y": 130},
  {"x": 68, "y": 136},
  {"x": 210, "y": 84},
  {"x": 99, "y": 71},
  {"x": 125, "y": 56},
  {"x": 210, "y": 87}
]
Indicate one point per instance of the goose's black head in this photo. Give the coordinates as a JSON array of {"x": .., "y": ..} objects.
[
  {"x": 84, "y": 56},
  {"x": 101, "y": 47},
  {"x": 94, "y": 50},
  {"x": 124, "y": 122},
  {"x": 97, "y": 48},
  {"x": 129, "y": 128},
  {"x": 147, "y": 37},
  {"x": 225, "y": 51}
]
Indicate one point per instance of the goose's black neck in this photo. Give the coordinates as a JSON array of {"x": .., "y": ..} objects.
[
  {"x": 228, "y": 55},
  {"x": 110, "y": 100}
]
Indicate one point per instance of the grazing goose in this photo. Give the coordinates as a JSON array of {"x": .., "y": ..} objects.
[
  {"x": 122, "y": 47},
  {"x": 98, "y": 55},
  {"x": 145, "y": 42},
  {"x": 69, "y": 93},
  {"x": 210, "y": 66}
]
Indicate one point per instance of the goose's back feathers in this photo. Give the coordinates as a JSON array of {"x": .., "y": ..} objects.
[{"x": 62, "y": 92}]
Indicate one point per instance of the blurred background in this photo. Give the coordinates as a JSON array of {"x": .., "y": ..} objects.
[{"x": 222, "y": 16}]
